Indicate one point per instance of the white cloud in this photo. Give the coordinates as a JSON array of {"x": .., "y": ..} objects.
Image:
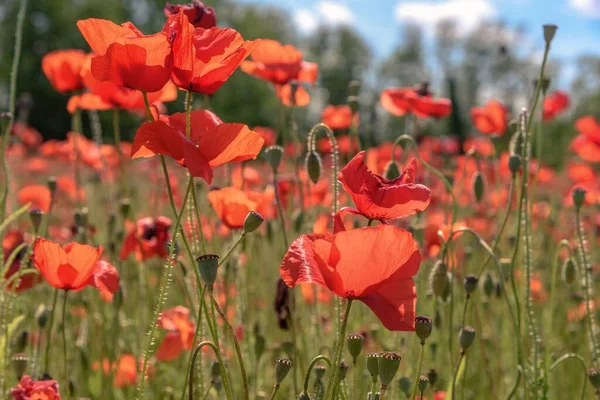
[
  {"x": 589, "y": 8},
  {"x": 325, "y": 13},
  {"x": 305, "y": 21},
  {"x": 467, "y": 13}
]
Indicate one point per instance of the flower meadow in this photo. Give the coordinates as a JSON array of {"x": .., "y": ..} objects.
[{"x": 209, "y": 259}]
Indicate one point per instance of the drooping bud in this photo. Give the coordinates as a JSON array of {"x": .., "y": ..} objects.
[
  {"x": 423, "y": 327},
  {"x": 355, "y": 343},
  {"x": 432, "y": 375},
  {"x": 259, "y": 346},
  {"x": 274, "y": 154},
  {"x": 282, "y": 368},
  {"x": 569, "y": 271},
  {"x": 124, "y": 207},
  {"x": 208, "y": 265},
  {"x": 438, "y": 279},
  {"x": 470, "y": 284},
  {"x": 488, "y": 284},
  {"x": 391, "y": 170},
  {"x": 423, "y": 382},
  {"x": 21, "y": 341},
  {"x": 405, "y": 385},
  {"x": 388, "y": 365},
  {"x": 319, "y": 372},
  {"x": 514, "y": 163},
  {"x": 466, "y": 338},
  {"x": 549, "y": 32},
  {"x": 215, "y": 371},
  {"x": 41, "y": 315},
  {"x": 252, "y": 222},
  {"x": 478, "y": 187},
  {"x": 342, "y": 370},
  {"x": 313, "y": 166},
  {"x": 36, "y": 215},
  {"x": 579, "y": 197},
  {"x": 19, "y": 364},
  {"x": 373, "y": 364}
]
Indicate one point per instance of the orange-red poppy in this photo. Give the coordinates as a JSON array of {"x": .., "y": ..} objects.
[
  {"x": 203, "y": 59},
  {"x": 373, "y": 265},
  {"x": 127, "y": 57},
  {"x": 28, "y": 389},
  {"x": 491, "y": 118},
  {"x": 63, "y": 69},
  {"x": 28, "y": 135},
  {"x": 67, "y": 267},
  {"x": 105, "y": 278},
  {"x": 232, "y": 204},
  {"x": 555, "y": 103},
  {"x": 400, "y": 101},
  {"x": 281, "y": 64},
  {"x": 268, "y": 134},
  {"x": 338, "y": 117},
  {"x": 211, "y": 142},
  {"x": 148, "y": 238},
  {"x": 587, "y": 143},
  {"x": 38, "y": 195},
  {"x": 180, "y": 335},
  {"x": 198, "y": 14},
  {"x": 378, "y": 198}
]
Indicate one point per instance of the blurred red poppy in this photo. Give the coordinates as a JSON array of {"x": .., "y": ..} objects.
[
  {"x": 587, "y": 143},
  {"x": 400, "y": 101},
  {"x": 211, "y": 142},
  {"x": 28, "y": 389},
  {"x": 198, "y": 14},
  {"x": 10, "y": 242},
  {"x": 491, "y": 118},
  {"x": 268, "y": 134},
  {"x": 67, "y": 267},
  {"x": 127, "y": 57},
  {"x": 63, "y": 69},
  {"x": 338, "y": 117},
  {"x": 555, "y": 103},
  {"x": 180, "y": 335},
  {"x": 147, "y": 238},
  {"x": 203, "y": 59},
  {"x": 373, "y": 265},
  {"x": 38, "y": 195},
  {"x": 105, "y": 278},
  {"x": 232, "y": 204}
]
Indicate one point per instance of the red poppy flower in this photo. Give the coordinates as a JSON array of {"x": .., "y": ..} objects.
[
  {"x": 373, "y": 265},
  {"x": 280, "y": 65},
  {"x": 180, "y": 334},
  {"x": 127, "y": 57},
  {"x": 338, "y": 117},
  {"x": 28, "y": 135},
  {"x": 67, "y": 267},
  {"x": 587, "y": 143},
  {"x": 400, "y": 101},
  {"x": 232, "y": 204},
  {"x": 555, "y": 103},
  {"x": 203, "y": 59},
  {"x": 38, "y": 195},
  {"x": 211, "y": 142},
  {"x": 28, "y": 389},
  {"x": 105, "y": 278},
  {"x": 198, "y": 14},
  {"x": 13, "y": 239},
  {"x": 147, "y": 239},
  {"x": 491, "y": 118},
  {"x": 63, "y": 69},
  {"x": 268, "y": 134},
  {"x": 126, "y": 373},
  {"x": 378, "y": 198}
]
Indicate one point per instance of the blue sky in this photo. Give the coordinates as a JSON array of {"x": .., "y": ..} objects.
[{"x": 379, "y": 21}]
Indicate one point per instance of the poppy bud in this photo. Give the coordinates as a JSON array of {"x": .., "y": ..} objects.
[
  {"x": 304, "y": 396},
  {"x": 354, "y": 88},
  {"x": 19, "y": 364},
  {"x": 437, "y": 319},
  {"x": 478, "y": 187},
  {"x": 252, "y": 222},
  {"x": 569, "y": 271},
  {"x": 313, "y": 166},
  {"x": 594, "y": 377},
  {"x": 549, "y": 32},
  {"x": 466, "y": 338},
  {"x": 274, "y": 154},
  {"x": 391, "y": 170},
  {"x": 470, "y": 284},
  {"x": 514, "y": 163},
  {"x": 35, "y": 215},
  {"x": 124, "y": 207},
  {"x": 432, "y": 375},
  {"x": 215, "y": 371},
  {"x": 353, "y": 104},
  {"x": 423, "y": 382},
  {"x": 373, "y": 364},
  {"x": 208, "y": 265},
  {"x": 438, "y": 279},
  {"x": 388, "y": 365},
  {"x": 488, "y": 284},
  {"x": 342, "y": 370},
  {"x": 579, "y": 197},
  {"x": 423, "y": 327},
  {"x": 259, "y": 346},
  {"x": 298, "y": 220},
  {"x": 282, "y": 368},
  {"x": 319, "y": 372},
  {"x": 41, "y": 315},
  {"x": 355, "y": 343},
  {"x": 21, "y": 342},
  {"x": 405, "y": 385}
]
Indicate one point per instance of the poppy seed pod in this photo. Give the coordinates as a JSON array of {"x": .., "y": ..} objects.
[
  {"x": 373, "y": 364},
  {"x": 438, "y": 279},
  {"x": 319, "y": 372},
  {"x": 35, "y": 215},
  {"x": 282, "y": 368},
  {"x": 405, "y": 385},
  {"x": 470, "y": 284},
  {"x": 41, "y": 315},
  {"x": 549, "y": 32},
  {"x": 478, "y": 187},
  {"x": 388, "y": 365},
  {"x": 274, "y": 154},
  {"x": 579, "y": 197},
  {"x": 342, "y": 370},
  {"x": 569, "y": 271},
  {"x": 208, "y": 265},
  {"x": 252, "y": 222},
  {"x": 355, "y": 343},
  {"x": 432, "y": 375},
  {"x": 313, "y": 166},
  {"x": 391, "y": 170},
  {"x": 594, "y": 377},
  {"x": 514, "y": 163},
  {"x": 423, "y": 327},
  {"x": 423, "y": 382},
  {"x": 19, "y": 363},
  {"x": 466, "y": 338}
]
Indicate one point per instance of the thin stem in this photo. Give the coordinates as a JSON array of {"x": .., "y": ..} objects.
[
  {"x": 310, "y": 368},
  {"x": 274, "y": 392},
  {"x": 333, "y": 374},
  {"x": 117, "y": 138},
  {"x": 224, "y": 376},
  {"x": 196, "y": 332},
  {"x": 568, "y": 356},
  {"x": 64, "y": 340},
  {"x": 280, "y": 210},
  {"x": 455, "y": 376},
  {"x": 419, "y": 366},
  {"x": 49, "y": 334},
  {"x": 188, "y": 113},
  {"x": 235, "y": 244}
]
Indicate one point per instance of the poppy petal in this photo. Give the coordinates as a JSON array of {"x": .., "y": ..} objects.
[{"x": 394, "y": 304}]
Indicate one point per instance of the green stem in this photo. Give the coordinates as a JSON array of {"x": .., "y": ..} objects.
[
  {"x": 419, "y": 366},
  {"x": 333, "y": 374},
  {"x": 310, "y": 368},
  {"x": 117, "y": 138},
  {"x": 280, "y": 210},
  {"x": 455, "y": 376},
  {"x": 568, "y": 356},
  {"x": 196, "y": 332},
  {"x": 224, "y": 376},
  {"x": 49, "y": 333},
  {"x": 274, "y": 392},
  {"x": 64, "y": 340}
]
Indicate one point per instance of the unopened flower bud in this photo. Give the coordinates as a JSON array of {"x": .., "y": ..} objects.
[
  {"x": 423, "y": 382},
  {"x": 549, "y": 32},
  {"x": 594, "y": 377},
  {"x": 466, "y": 338},
  {"x": 21, "y": 341},
  {"x": 208, "y": 265},
  {"x": 423, "y": 327},
  {"x": 514, "y": 163},
  {"x": 488, "y": 284},
  {"x": 252, "y": 222},
  {"x": 313, "y": 166},
  {"x": 388, "y": 365},
  {"x": 298, "y": 220},
  {"x": 41, "y": 315},
  {"x": 342, "y": 370},
  {"x": 478, "y": 187},
  {"x": 391, "y": 170},
  {"x": 36, "y": 215},
  {"x": 432, "y": 375},
  {"x": 259, "y": 346},
  {"x": 579, "y": 197},
  {"x": 282, "y": 368},
  {"x": 125, "y": 207},
  {"x": 353, "y": 104},
  {"x": 215, "y": 371},
  {"x": 405, "y": 385},
  {"x": 569, "y": 271},
  {"x": 470, "y": 284},
  {"x": 19, "y": 364},
  {"x": 373, "y": 364},
  {"x": 438, "y": 279},
  {"x": 274, "y": 154},
  {"x": 319, "y": 372},
  {"x": 355, "y": 343}
]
